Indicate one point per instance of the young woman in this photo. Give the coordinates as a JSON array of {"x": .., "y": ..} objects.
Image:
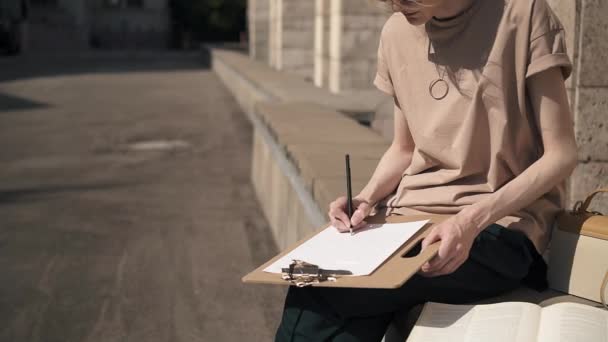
[{"x": 483, "y": 133}]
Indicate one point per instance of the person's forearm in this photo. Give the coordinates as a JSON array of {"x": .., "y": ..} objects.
[
  {"x": 387, "y": 175},
  {"x": 538, "y": 179}
]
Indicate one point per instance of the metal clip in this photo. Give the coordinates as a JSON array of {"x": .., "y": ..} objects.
[{"x": 301, "y": 274}]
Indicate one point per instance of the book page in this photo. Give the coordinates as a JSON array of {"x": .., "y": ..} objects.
[
  {"x": 573, "y": 322},
  {"x": 360, "y": 253},
  {"x": 503, "y": 322}
]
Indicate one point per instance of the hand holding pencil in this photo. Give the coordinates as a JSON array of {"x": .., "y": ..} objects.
[
  {"x": 347, "y": 213},
  {"x": 339, "y": 217}
]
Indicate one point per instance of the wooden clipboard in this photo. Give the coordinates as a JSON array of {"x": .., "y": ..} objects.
[{"x": 393, "y": 273}]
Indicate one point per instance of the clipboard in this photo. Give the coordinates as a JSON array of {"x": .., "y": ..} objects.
[{"x": 392, "y": 273}]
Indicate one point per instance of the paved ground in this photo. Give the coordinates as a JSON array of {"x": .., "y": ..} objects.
[{"x": 106, "y": 237}]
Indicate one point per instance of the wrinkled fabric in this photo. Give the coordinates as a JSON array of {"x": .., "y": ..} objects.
[{"x": 483, "y": 133}]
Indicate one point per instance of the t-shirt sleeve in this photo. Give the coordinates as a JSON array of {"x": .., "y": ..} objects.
[
  {"x": 383, "y": 79},
  {"x": 547, "y": 42}
]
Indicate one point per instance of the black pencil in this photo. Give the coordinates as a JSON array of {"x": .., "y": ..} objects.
[{"x": 349, "y": 193}]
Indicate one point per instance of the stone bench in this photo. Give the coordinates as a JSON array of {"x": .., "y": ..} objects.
[
  {"x": 298, "y": 163},
  {"x": 252, "y": 81}
]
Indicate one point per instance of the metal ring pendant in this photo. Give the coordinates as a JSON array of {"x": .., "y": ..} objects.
[{"x": 435, "y": 89}]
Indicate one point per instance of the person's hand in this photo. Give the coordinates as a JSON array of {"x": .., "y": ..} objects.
[
  {"x": 339, "y": 217},
  {"x": 456, "y": 238}
]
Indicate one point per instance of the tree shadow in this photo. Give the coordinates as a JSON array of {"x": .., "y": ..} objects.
[
  {"x": 9, "y": 103},
  {"x": 30, "y": 66},
  {"x": 100, "y": 62},
  {"x": 8, "y": 196}
]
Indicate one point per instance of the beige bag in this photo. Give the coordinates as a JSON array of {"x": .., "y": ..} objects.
[{"x": 578, "y": 258}]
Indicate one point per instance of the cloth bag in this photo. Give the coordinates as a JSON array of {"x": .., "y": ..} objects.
[{"x": 578, "y": 256}]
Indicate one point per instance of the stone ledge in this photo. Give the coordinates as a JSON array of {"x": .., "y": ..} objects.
[
  {"x": 295, "y": 183},
  {"x": 300, "y": 122},
  {"x": 338, "y": 150},
  {"x": 312, "y": 168},
  {"x": 285, "y": 166},
  {"x": 327, "y": 160},
  {"x": 312, "y": 139},
  {"x": 286, "y": 202},
  {"x": 284, "y": 87}
]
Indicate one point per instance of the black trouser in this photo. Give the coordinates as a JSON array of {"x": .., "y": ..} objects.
[{"x": 499, "y": 259}]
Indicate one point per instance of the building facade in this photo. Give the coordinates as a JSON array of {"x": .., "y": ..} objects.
[
  {"x": 80, "y": 24},
  {"x": 331, "y": 42}
]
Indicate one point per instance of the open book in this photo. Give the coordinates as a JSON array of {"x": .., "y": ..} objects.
[{"x": 511, "y": 322}]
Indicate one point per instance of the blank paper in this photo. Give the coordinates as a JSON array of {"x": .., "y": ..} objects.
[{"x": 360, "y": 253}]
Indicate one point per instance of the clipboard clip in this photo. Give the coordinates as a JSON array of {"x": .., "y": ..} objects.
[{"x": 302, "y": 274}]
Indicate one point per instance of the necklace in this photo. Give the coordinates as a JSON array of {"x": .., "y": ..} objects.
[{"x": 438, "y": 88}]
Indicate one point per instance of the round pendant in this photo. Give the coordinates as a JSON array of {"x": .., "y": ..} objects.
[{"x": 439, "y": 89}]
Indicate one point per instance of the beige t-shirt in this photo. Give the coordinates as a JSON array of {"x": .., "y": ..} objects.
[{"x": 483, "y": 133}]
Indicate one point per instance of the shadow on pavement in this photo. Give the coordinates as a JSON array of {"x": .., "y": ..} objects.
[
  {"x": 13, "y": 103},
  {"x": 33, "y": 193},
  {"x": 88, "y": 62}
]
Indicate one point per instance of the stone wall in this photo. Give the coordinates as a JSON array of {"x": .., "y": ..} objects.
[
  {"x": 585, "y": 22},
  {"x": 322, "y": 46},
  {"x": 362, "y": 23},
  {"x": 258, "y": 15},
  {"x": 291, "y": 36},
  {"x": 298, "y": 37},
  {"x": 332, "y": 42},
  {"x": 352, "y": 36}
]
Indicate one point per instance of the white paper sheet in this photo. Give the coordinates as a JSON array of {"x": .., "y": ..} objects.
[{"x": 360, "y": 254}]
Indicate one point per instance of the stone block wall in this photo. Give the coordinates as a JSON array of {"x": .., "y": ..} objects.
[
  {"x": 332, "y": 42},
  {"x": 258, "y": 15},
  {"x": 350, "y": 33},
  {"x": 284, "y": 211},
  {"x": 291, "y": 36},
  {"x": 589, "y": 87},
  {"x": 362, "y": 23},
  {"x": 321, "y": 53}
]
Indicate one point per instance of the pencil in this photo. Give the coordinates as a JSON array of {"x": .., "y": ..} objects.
[{"x": 349, "y": 194}]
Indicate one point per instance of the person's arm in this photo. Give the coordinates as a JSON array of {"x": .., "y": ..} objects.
[
  {"x": 384, "y": 180},
  {"x": 552, "y": 112}
]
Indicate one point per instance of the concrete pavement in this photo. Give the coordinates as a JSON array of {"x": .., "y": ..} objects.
[{"x": 126, "y": 208}]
